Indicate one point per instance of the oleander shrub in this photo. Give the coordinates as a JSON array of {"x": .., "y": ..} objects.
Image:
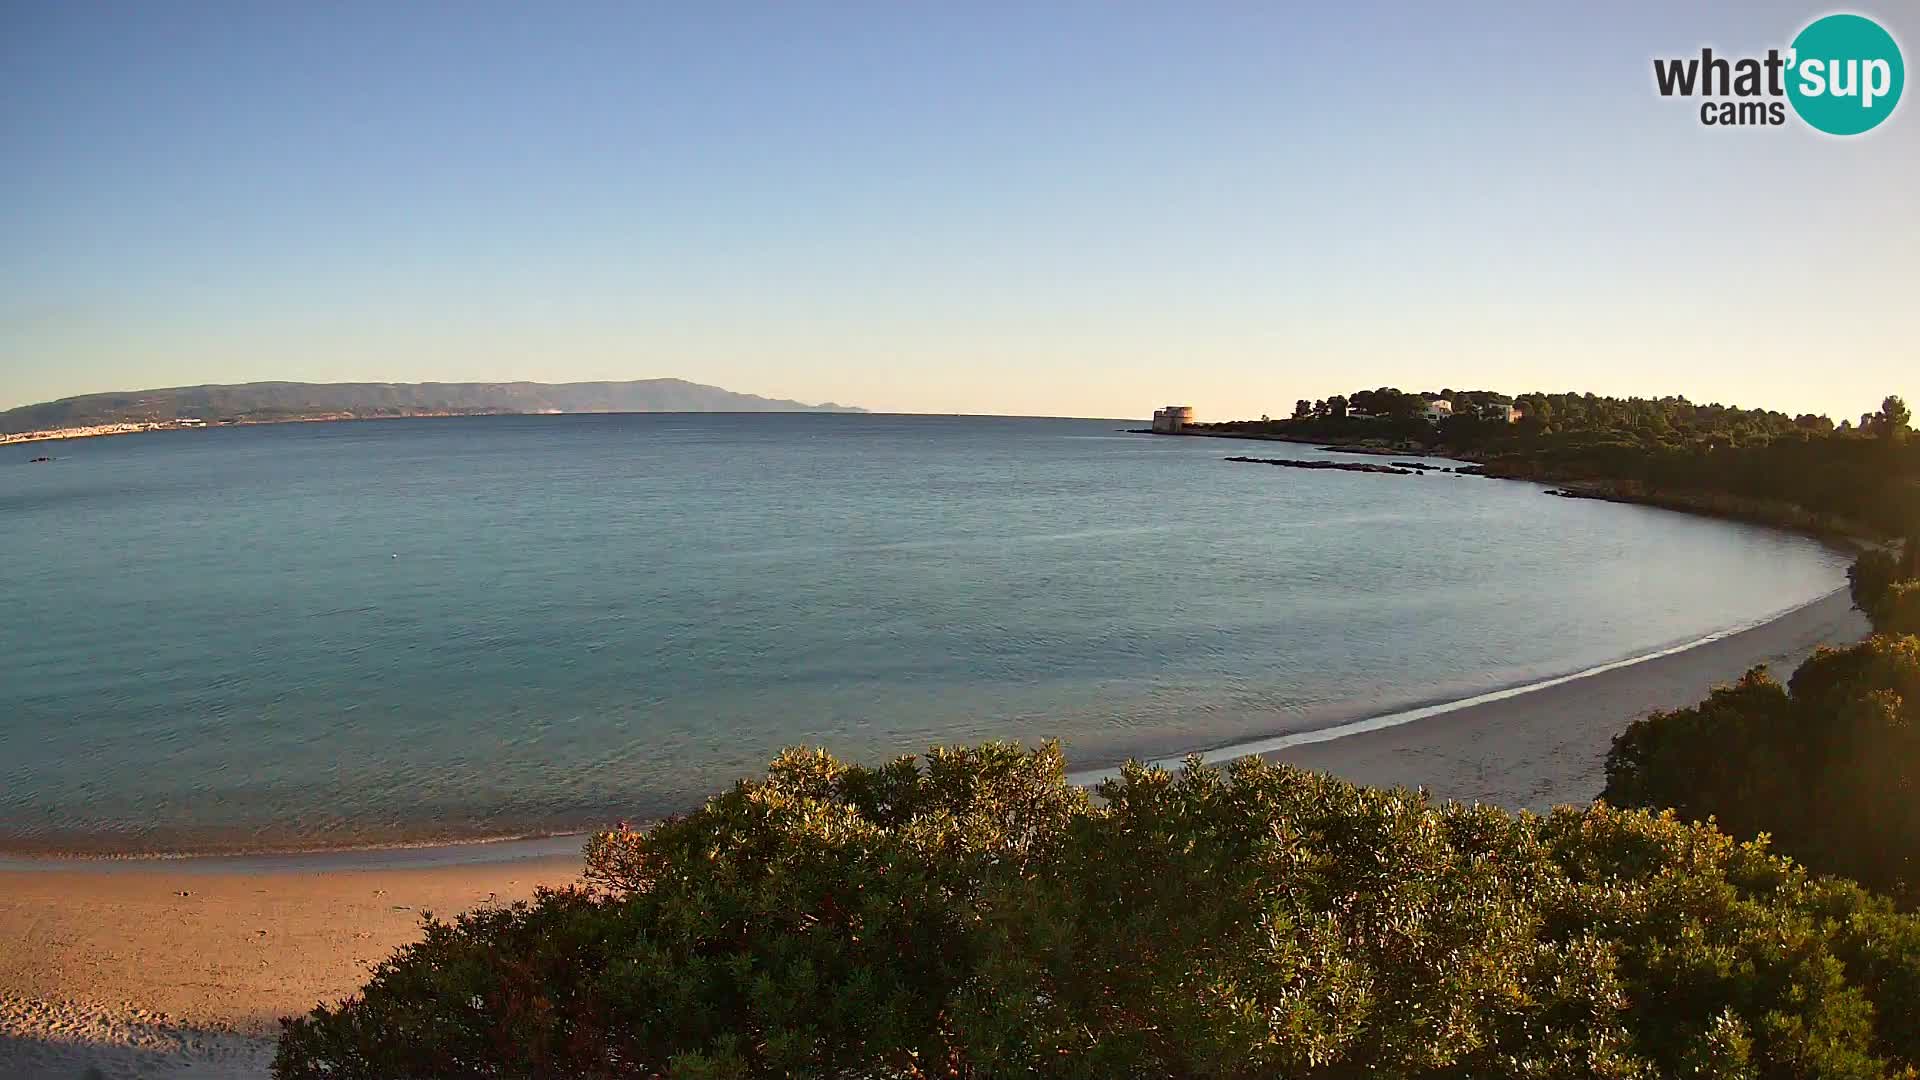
[{"x": 974, "y": 915}]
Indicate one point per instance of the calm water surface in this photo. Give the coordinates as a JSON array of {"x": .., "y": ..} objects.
[{"x": 331, "y": 634}]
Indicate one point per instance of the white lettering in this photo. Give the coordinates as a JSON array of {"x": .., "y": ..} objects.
[
  {"x": 1813, "y": 78},
  {"x": 1878, "y": 81},
  {"x": 1852, "y": 82}
]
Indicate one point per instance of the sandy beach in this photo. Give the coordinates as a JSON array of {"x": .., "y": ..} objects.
[
  {"x": 1549, "y": 747},
  {"x": 163, "y": 970},
  {"x": 175, "y": 970}
]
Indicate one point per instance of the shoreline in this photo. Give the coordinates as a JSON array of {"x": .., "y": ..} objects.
[
  {"x": 181, "y": 967},
  {"x": 486, "y": 851},
  {"x": 1284, "y": 746},
  {"x": 1784, "y": 516},
  {"x": 1547, "y": 746},
  {"x": 1278, "y": 747}
]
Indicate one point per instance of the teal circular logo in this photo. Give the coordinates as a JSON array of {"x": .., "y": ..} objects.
[{"x": 1844, "y": 74}]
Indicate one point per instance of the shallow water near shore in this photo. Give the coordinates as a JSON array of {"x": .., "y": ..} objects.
[{"x": 318, "y": 635}]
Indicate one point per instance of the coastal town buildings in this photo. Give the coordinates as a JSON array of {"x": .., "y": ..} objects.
[
  {"x": 87, "y": 432},
  {"x": 1437, "y": 409}
]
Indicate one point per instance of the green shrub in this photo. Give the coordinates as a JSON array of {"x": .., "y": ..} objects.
[
  {"x": 976, "y": 916},
  {"x": 1828, "y": 766},
  {"x": 1869, "y": 578},
  {"x": 1886, "y": 586},
  {"x": 1900, "y": 608}
]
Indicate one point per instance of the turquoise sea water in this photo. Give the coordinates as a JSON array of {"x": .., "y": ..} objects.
[{"x": 336, "y": 634}]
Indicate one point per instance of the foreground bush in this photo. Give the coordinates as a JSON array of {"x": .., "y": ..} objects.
[
  {"x": 975, "y": 916},
  {"x": 1829, "y": 765},
  {"x": 1899, "y": 610},
  {"x": 1885, "y": 583}
]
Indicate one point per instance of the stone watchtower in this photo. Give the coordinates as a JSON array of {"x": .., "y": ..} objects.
[{"x": 1170, "y": 420}]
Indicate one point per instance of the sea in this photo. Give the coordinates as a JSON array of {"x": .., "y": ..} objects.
[{"x": 390, "y": 632}]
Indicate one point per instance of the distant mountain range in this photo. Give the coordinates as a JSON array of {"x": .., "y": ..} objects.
[{"x": 270, "y": 401}]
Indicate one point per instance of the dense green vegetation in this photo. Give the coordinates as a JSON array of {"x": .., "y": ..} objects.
[
  {"x": 973, "y": 915},
  {"x": 1886, "y": 586},
  {"x": 1801, "y": 471},
  {"x": 1828, "y": 765}
]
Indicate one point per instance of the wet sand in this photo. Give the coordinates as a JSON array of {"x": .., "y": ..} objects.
[{"x": 183, "y": 969}]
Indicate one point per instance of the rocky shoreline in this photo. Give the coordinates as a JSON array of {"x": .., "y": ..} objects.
[{"x": 1841, "y": 532}]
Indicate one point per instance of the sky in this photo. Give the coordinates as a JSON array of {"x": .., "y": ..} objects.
[{"x": 1054, "y": 209}]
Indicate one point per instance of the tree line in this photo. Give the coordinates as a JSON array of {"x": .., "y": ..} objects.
[{"x": 1803, "y": 471}]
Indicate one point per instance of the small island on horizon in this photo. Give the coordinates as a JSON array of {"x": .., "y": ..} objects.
[{"x": 132, "y": 411}]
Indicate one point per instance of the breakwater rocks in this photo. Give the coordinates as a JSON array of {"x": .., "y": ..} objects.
[{"x": 1342, "y": 466}]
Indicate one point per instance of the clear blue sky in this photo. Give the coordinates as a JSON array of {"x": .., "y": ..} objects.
[{"x": 1086, "y": 209}]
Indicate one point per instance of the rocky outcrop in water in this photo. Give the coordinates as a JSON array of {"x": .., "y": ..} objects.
[{"x": 1342, "y": 466}]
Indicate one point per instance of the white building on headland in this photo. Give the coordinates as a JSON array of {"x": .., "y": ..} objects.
[
  {"x": 1438, "y": 409},
  {"x": 1170, "y": 420}
]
